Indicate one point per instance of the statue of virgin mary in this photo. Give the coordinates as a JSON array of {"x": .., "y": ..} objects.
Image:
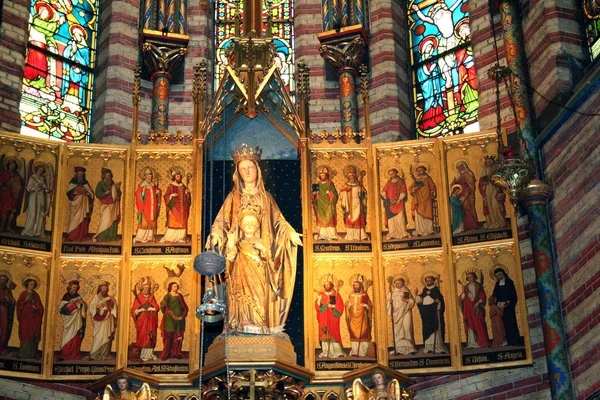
[{"x": 261, "y": 249}]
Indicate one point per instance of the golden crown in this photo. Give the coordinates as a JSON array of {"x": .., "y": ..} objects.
[
  {"x": 253, "y": 210},
  {"x": 246, "y": 153}
]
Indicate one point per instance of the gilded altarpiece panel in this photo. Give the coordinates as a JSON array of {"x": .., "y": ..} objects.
[
  {"x": 86, "y": 314},
  {"x": 408, "y": 187},
  {"x": 343, "y": 298},
  {"x": 161, "y": 316},
  {"x": 491, "y": 317},
  {"x": 24, "y": 299},
  {"x": 419, "y": 330},
  {"x": 28, "y": 175},
  {"x": 163, "y": 198},
  {"x": 97, "y": 177},
  {"x": 339, "y": 197},
  {"x": 479, "y": 210}
]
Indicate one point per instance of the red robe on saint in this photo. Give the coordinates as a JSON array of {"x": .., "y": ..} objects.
[
  {"x": 30, "y": 313},
  {"x": 146, "y": 322}
]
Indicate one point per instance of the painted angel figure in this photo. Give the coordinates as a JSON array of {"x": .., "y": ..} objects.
[
  {"x": 38, "y": 199},
  {"x": 381, "y": 390},
  {"x": 124, "y": 393}
]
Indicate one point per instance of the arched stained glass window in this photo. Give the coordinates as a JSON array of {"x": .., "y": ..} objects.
[
  {"x": 591, "y": 10},
  {"x": 59, "y": 65},
  {"x": 282, "y": 31},
  {"x": 443, "y": 69}
]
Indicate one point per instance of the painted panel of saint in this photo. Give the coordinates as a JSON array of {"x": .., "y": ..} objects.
[
  {"x": 87, "y": 322},
  {"x": 27, "y": 192},
  {"x": 408, "y": 196},
  {"x": 491, "y": 307},
  {"x": 417, "y": 323},
  {"x": 22, "y": 311},
  {"x": 340, "y": 203},
  {"x": 344, "y": 311},
  {"x": 160, "y": 322},
  {"x": 94, "y": 200},
  {"x": 478, "y": 209},
  {"x": 163, "y": 206}
]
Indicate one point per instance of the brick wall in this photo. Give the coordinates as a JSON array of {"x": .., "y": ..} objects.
[
  {"x": 13, "y": 390},
  {"x": 118, "y": 54},
  {"x": 554, "y": 46},
  {"x": 13, "y": 41},
  {"x": 572, "y": 151}
]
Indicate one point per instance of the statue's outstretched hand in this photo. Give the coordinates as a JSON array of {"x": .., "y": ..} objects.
[
  {"x": 296, "y": 238},
  {"x": 213, "y": 240}
]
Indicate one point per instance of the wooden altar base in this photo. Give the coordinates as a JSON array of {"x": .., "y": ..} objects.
[{"x": 251, "y": 348}]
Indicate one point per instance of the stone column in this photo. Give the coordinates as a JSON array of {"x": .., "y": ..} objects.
[
  {"x": 519, "y": 83},
  {"x": 534, "y": 199},
  {"x": 162, "y": 57},
  {"x": 346, "y": 56}
]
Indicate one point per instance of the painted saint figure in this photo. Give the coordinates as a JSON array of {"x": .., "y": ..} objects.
[
  {"x": 353, "y": 198},
  {"x": 506, "y": 296},
  {"x": 274, "y": 233},
  {"x": 44, "y": 26},
  {"x": 330, "y": 307},
  {"x": 147, "y": 201},
  {"x": 431, "y": 87},
  {"x": 493, "y": 198},
  {"x": 144, "y": 312},
  {"x": 424, "y": 193},
  {"x": 175, "y": 310},
  {"x": 359, "y": 317},
  {"x": 324, "y": 200},
  {"x": 81, "y": 203},
  {"x": 498, "y": 330},
  {"x": 400, "y": 303},
  {"x": 467, "y": 76},
  {"x": 394, "y": 196},
  {"x": 440, "y": 15},
  {"x": 177, "y": 201},
  {"x": 72, "y": 310},
  {"x": 7, "y": 311},
  {"x": 458, "y": 212},
  {"x": 472, "y": 303},
  {"x": 109, "y": 194},
  {"x": 103, "y": 310},
  {"x": 39, "y": 199},
  {"x": 30, "y": 314},
  {"x": 432, "y": 307},
  {"x": 12, "y": 187},
  {"x": 75, "y": 84},
  {"x": 466, "y": 179}
]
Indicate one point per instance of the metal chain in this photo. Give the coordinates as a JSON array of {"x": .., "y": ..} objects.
[
  {"x": 201, "y": 358},
  {"x": 227, "y": 355}
]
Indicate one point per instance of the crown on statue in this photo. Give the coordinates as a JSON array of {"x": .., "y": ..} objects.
[
  {"x": 252, "y": 210},
  {"x": 246, "y": 153}
]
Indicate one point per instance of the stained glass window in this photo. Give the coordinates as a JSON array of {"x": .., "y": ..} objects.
[
  {"x": 591, "y": 9},
  {"x": 443, "y": 69},
  {"x": 59, "y": 65},
  {"x": 282, "y": 30}
]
